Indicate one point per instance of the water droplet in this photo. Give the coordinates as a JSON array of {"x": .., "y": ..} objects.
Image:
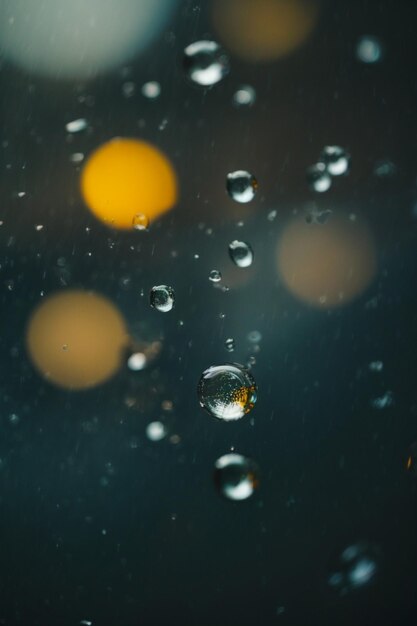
[
  {"x": 336, "y": 160},
  {"x": 384, "y": 401},
  {"x": 241, "y": 186},
  {"x": 385, "y": 168},
  {"x": 235, "y": 476},
  {"x": 14, "y": 419},
  {"x": 136, "y": 361},
  {"x": 65, "y": 347},
  {"x": 156, "y": 431},
  {"x": 272, "y": 215},
  {"x": 215, "y": 276},
  {"x": 76, "y": 126},
  {"x": 162, "y": 298},
  {"x": 227, "y": 391},
  {"x": 38, "y": 227},
  {"x": 229, "y": 344},
  {"x": 318, "y": 178},
  {"x": 376, "y": 366},
  {"x": 244, "y": 96},
  {"x": 254, "y": 336},
  {"x": 77, "y": 157},
  {"x": 128, "y": 89},
  {"x": 356, "y": 567},
  {"x": 140, "y": 221},
  {"x": 151, "y": 90},
  {"x": 241, "y": 253},
  {"x": 369, "y": 49},
  {"x": 205, "y": 63}
]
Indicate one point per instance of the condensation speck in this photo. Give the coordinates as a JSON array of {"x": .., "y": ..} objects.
[{"x": 244, "y": 96}]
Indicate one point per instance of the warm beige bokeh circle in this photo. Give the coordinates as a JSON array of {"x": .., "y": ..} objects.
[
  {"x": 76, "y": 339},
  {"x": 264, "y": 30},
  {"x": 327, "y": 265}
]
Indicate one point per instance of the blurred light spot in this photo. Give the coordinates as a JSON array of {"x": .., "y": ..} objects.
[
  {"x": 137, "y": 361},
  {"x": 384, "y": 401},
  {"x": 326, "y": 265},
  {"x": 151, "y": 90},
  {"x": 156, "y": 431},
  {"x": 126, "y": 177},
  {"x": 78, "y": 39},
  {"x": 236, "y": 477},
  {"x": 245, "y": 96},
  {"x": 376, "y": 366},
  {"x": 92, "y": 330},
  {"x": 264, "y": 30},
  {"x": 318, "y": 178},
  {"x": 76, "y": 126},
  {"x": 356, "y": 567},
  {"x": 369, "y": 49}
]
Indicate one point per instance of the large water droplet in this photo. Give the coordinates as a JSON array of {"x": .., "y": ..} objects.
[
  {"x": 241, "y": 186},
  {"x": 318, "y": 177},
  {"x": 241, "y": 253},
  {"x": 162, "y": 298},
  {"x": 336, "y": 160},
  {"x": 205, "y": 63},
  {"x": 356, "y": 567},
  {"x": 227, "y": 391},
  {"x": 235, "y": 476}
]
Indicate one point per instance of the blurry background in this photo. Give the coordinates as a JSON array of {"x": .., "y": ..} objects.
[{"x": 99, "y": 522}]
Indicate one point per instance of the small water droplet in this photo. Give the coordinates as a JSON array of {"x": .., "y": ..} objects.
[
  {"x": 77, "y": 157},
  {"x": 384, "y": 401},
  {"x": 236, "y": 477},
  {"x": 162, "y": 298},
  {"x": 244, "y": 96},
  {"x": 318, "y": 177},
  {"x": 229, "y": 344},
  {"x": 376, "y": 366},
  {"x": 128, "y": 89},
  {"x": 357, "y": 566},
  {"x": 227, "y": 391},
  {"x": 272, "y": 215},
  {"x": 205, "y": 63},
  {"x": 156, "y": 431},
  {"x": 336, "y": 160},
  {"x": 151, "y": 90},
  {"x": 369, "y": 49},
  {"x": 241, "y": 253},
  {"x": 65, "y": 347},
  {"x": 76, "y": 126},
  {"x": 215, "y": 276},
  {"x": 140, "y": 221},
  {"x": 254, "y": 336},
  {"x": 38, "y": 227},
  {"x": 14, "y": 419},
  {"x": 241, "y": 186},
  {"x": 385, "y": 168}
]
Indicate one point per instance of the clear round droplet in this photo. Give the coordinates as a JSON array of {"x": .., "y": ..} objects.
[
  {"x": 229, "y": 344},
  {"x": 336, "y": 160},
  {"x": 318, "y": 177},
  {"x": 205, "y": 63},
  {"x": 137, "y": 361},
  {"x": 241, "y": 253},
  {"x": 356, "y": 567},
  {"x": 162, "y": 298},
  {"x": 241, "y": 186},
  {"x": 236, "y": 477},
  {"x": 215, "y": 276},
  {"x": 227, "y": 391},
  {"x": 140, "y": 221},
  {"x": 369, "y": 49},
  {"x": 244, "y": 96},
  {"x": 156, "y": 431}
]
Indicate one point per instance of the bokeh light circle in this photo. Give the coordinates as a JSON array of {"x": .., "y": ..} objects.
[
  {"x": 127, "y": 177},
  {"x": 264, "y": 30},
  {"x": 80, "y": 38},
  {"x": 76, "y": 339},
  {"x": 327, "y": 265}
]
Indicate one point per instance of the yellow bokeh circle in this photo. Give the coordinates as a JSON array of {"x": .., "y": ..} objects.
[
  {"x": 76, "y": 339},
  {"x": 264, "y": 30},
  {"x": 127, "y": 177}
]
